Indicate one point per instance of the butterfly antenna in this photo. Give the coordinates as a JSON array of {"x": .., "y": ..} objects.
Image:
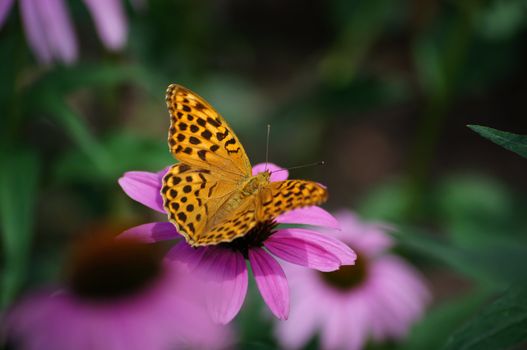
[
  {"x": 267, "y": 146},
  {"x": 301, "y": 166}
]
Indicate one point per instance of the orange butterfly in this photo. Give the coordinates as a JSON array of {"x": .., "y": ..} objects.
[{"x": 211, "y": 196}]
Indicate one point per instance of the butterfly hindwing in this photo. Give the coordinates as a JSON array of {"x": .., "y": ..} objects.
[
  {"x": 236, "y": 225},
  {"x": 191, "y": 196},
  {"x": 199, "y": 135},
  {"x": 281, "y": 196},
  {"x": 271, "y": 201}
]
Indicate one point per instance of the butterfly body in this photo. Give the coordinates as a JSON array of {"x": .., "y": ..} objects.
[
  {"x": 211, "y": 196},
  {"x": 249, "y": 188}
]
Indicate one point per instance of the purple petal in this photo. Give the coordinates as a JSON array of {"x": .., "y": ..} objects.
[
  {"x": 369, "y": 238},
  {"x": 5, "y": 7},
  {"x": 271, "y": 282},
  {"x": 315, "y": 216},
  {"x": 336, "y": 332},
  {"x": 277, "y": 173},
  {"x": 220, "y": 273},
  {"x": 161, "y": 173},
  {"x": 110, "y": 21},
  {"x": 151, "y": 232},
  {"x": 143, "y": 187},
  {"x": 59, "y": 29},
  {"x": 310, "y": 249},
  {"x": 226, "y": 282},
  {"x": 335, "y": 327},
  {"x": 185, "y": 256},
  {"x": 302, "y": 323},
  {"x": 34, "y": 30}
]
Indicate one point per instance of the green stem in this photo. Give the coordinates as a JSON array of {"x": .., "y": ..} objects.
[
  {"x": 78, "y": 131},
  {"x": 436, "y": 106}
]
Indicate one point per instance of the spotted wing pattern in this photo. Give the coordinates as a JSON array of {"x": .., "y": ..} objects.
[
  {"x": 191, "y": 196},
  {"x": 238, "y": 224},
  {"x": 204, "y": 194},
  {"x": 281, "y": 196},
  {"x": 199, "y": 135},
  {"x": 271, "y": 201}
]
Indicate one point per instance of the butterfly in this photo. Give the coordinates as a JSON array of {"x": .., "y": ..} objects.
[{"x": 211, "y": 195}]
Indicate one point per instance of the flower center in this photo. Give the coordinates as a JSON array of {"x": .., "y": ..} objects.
[
  {"x": 348, "y": 276},
  {"x": 254, "y": 238},
  {"x": 103, "y": 269}
]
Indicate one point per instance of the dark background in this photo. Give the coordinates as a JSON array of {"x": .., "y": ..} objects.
[{"x": 380, "y": 90}]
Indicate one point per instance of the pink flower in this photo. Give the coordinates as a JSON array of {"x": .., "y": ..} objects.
[
  {"x": 224, "y": 265},
  {"x": 49, "y": 30},
  {"x": 381, "y": 297},
  {"x": 119, "y": 295}
]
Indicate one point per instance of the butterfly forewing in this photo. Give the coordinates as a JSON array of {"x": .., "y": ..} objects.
[{"x": 199, "y": 136}]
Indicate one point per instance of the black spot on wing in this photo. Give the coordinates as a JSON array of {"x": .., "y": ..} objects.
[
  {"x": 181, "y": 216},
  {"x": 213, "y": 122}
]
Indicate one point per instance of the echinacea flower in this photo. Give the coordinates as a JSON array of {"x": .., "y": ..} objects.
[
  {"x": 119, "y": 295},
  {"x": 49, "y": 30},
  {"x": 223, "y": 267},
  {"x": 380, "y": 297}
]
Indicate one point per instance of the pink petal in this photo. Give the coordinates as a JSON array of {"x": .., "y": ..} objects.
[
  {"x": 369, "y": 238},
  {"x": 34, "y": 30},
  {"x": 271, "y": 282},
  {"x": 302, "y": 323},
  {"x": 226, "y": 282},
  {"x": 151, "y": 232},
  {"x": 161, "y": 173},
  {"x": 345, "y": 325},
  {"x": 315, "y": 216},
  {"x": 185, "y": 256},
  {"x": 277, "y": 173},
  {"x": 359, "y": 316},
  {"x": 59, "y": 30},
  {"x": 143, "y": 187},
  {"x": 110, "y": 21},
  {"x": 335, "y": 327},
  {"x": 220, "y": 273},
  {"x": 5, "y": 7},
  {"x": 310, "y": 249}
]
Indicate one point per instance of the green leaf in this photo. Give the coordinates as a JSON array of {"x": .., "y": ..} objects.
[
  {"x": 18, "y": 191},
  {"x": 127, "y": 151},
  {"x": 476, "y": 210},
  {"x": 66, "y": 79},
  {"x": 513, "y": 142},
  {"x": 442, "y": 320},
  {"x": 496, "y": 265},
  {"x": 81, "y": 135},
  {"x": 499, "y": 326}
]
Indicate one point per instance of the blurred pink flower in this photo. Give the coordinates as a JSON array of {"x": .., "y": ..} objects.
[
  {"x": 224, "y": 267},
  {"x": 119, "y": 295},
  {"x": 50, "y": 33},
  {"x": 380, "y": 297}
]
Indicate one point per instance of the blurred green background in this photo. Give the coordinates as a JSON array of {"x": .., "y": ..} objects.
[{"x": 380, "y": 90}]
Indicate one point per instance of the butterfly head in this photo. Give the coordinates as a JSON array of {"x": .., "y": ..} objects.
[
  {"x": 265, "y": 176},
  {"x": 262, "y": 179},
  {"x": 257, "y": 182}
]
